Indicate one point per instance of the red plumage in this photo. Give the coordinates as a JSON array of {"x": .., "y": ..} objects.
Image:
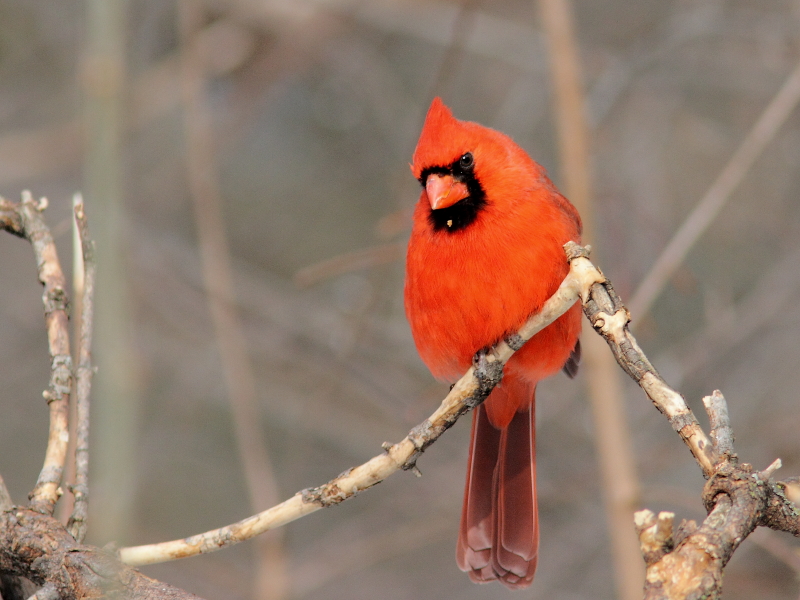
[{"x": 477, "y": 267}]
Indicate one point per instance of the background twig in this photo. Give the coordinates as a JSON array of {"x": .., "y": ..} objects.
[
  {"x": 201, "y": 169},
  {"x": 763, "y": 131},
  {"x": 603, "y": 379},
  {"x": 117, "y": 400},
  {"x": 316, "y": 107}
]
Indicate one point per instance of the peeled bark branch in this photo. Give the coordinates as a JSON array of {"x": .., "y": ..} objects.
[{"x": 25, "y": 220}]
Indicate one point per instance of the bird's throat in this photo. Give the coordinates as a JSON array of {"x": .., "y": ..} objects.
[{"x": 458, "y": 216}]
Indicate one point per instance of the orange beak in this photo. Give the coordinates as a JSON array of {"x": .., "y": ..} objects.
[{"x": 444, "y": 191}]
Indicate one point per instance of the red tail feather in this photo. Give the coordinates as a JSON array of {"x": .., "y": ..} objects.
[{"x": 499, "y": 535}]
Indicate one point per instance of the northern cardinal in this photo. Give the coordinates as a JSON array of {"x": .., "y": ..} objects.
[{"x": 486, "y": 252}]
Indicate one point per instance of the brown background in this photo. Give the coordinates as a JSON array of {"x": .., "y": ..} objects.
[{"x": 316, "y": 107}]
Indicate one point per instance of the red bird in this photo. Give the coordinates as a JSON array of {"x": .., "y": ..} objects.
[{"x": 485, "y": 254}]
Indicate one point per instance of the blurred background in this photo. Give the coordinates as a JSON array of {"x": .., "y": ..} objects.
[{"x": 245, "y": 169}]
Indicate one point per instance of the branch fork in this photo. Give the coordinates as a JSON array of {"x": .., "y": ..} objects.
[
  {"x": 33, "y": 544},
  {"x": 689, "y": 564}
]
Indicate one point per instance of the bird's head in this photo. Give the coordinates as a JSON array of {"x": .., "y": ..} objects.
[{"x": 457, "y": 163}]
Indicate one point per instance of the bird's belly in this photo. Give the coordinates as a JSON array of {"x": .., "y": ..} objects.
[{"x": 451, "y": 320}]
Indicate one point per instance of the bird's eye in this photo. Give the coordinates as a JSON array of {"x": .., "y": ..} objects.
[{"x": 467, "y": 161}]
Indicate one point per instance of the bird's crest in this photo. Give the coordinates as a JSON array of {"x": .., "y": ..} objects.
[{"x": 443, "y": 139}]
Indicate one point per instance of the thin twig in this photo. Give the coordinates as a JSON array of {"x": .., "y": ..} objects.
[
  {"x": 764, "y": 130},
  {"x": 466, "y": 394},
  {"x": 721, "y": 432},
  {"x": 67, "y": 504},
  {"x": 5, "y": 497},
  {"x": 46, "y": 492},
  {"x": 77, "y": 521},
  {"x": 348, "y": 262}
]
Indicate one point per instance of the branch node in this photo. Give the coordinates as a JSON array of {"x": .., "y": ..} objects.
[
  {"x": 488, "y": 372},
  {"x": 411, "y": 464},
  {"x": 329, "y": 494},
  {"x": 655, "y": 534},
  {"x": 515, "y": 341},
  {"x": 681, "y": 420},
  {"x": 62, "y": 375},
  {"x": 575, "y": 250},
  {"x": 420, "y": 437},
  {"x": 419, "y": 434},
  {"x": 684, "y": 530}
]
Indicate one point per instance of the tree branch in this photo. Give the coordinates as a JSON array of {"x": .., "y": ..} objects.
[
  {"x": 610, "y": 318},
  {"x": 36, "y": 546},
  {"x": 5, "y": 497},
  {"x": 688, "y": 563},
  {"x": 25, "y": 220},
  {"x": 77, "y": 521}
]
